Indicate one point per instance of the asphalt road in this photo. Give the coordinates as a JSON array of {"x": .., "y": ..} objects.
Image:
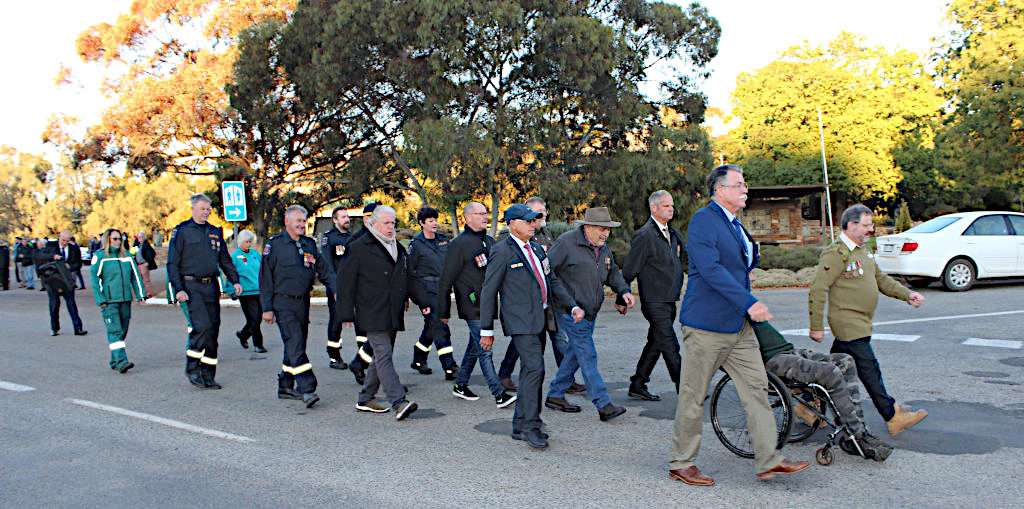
[{"x": 62, "y": 447}]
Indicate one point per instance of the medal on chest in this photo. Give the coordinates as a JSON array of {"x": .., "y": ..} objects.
[
  {"x": 547, "y": 267},
  {"x": 607, "y": 263},
  {"x": 339, "y": 250}
]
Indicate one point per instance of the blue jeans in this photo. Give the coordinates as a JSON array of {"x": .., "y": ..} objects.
[
  {"x": 581, "y": 355},
  {"x": 30, "y": 276},
  {"x": 474, "y": 353}
]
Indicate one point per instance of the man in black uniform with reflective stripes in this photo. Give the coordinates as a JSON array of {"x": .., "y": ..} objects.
[
  {"x": 290, "y": 261},
  {"x": 332, "y": 249},
  {"x": 426, "y": 259},
  {"x": 195, "y": 253}
]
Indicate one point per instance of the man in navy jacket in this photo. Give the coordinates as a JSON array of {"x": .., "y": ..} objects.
[{"x": 717, "y": 333}]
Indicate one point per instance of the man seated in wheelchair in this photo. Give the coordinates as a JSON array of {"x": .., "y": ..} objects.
[{"x": 835, "y": 372}]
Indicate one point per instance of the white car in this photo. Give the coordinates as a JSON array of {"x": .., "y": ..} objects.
[{"x": 957, "y": 249}]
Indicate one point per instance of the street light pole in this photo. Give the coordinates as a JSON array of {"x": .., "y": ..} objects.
[{"x": 824, "y": 168}]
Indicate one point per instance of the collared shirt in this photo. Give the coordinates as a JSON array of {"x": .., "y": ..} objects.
[
  {"x": 532, "y": 259},
  {"x": 729, "y": 216},
  {"x": 663, "y": 228},
  {"x": 848, "y": 241}
]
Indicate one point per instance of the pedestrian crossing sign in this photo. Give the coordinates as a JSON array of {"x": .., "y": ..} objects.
[{"x": 233, "y": 193}]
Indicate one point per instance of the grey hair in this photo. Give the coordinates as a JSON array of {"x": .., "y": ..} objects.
[
  {"x": 296, "y": 208},
  {"x": 198, "y": 197},
  {"x": 469, "y": 206},
  {"x": 380, "y": 211},
  {"x": 718, "y": 175},
  {"x": 536, "y": 199},
  {"x": 657, "y": 196},
  {"x": 246, "y": 235},
  {"x": 853, "y": 213}
]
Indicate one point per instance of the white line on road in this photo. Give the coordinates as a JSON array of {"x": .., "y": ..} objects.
[
  {"x": 8, "y": 386},
  {"x": 896, "y": 337},
  {"x": 804, "y": 332},
  {"x": 161, "y": 420},
  {"x": 997, "y": 343}
]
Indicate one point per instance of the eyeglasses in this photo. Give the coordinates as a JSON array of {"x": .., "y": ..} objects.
[{"x": 741, "y": 185}]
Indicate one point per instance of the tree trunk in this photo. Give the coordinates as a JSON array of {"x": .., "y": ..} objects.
[{"x": 455, "y": 220}]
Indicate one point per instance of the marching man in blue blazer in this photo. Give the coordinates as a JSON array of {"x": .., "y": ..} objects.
[
  {"x": 519, "y": 272},
  {"x": 717, "y": 333}
]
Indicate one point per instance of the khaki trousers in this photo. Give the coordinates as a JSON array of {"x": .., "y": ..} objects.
[
  {"x": 146, "y": 282},
  {"x": 704, "y": 353}
]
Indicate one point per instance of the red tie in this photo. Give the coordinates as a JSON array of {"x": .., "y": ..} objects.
[{"x": 536, "y": 273}]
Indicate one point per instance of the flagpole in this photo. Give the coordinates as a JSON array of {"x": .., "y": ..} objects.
[{"x": 824, "y": 168}]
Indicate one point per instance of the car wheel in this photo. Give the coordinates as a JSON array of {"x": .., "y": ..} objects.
[{"x": 959, "y": 275}]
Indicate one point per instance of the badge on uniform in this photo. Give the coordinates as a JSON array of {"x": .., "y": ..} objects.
[
  {"x": 339, "y": 250},
  {"x": 607, "y": 263},
  {"x": 243, "y": 258},
  {"x": 266, "y": 249},
  {"x": 308, "y": 259},
  {"x": 442, "y": 244},
  {"x": 516, "y": 265},
  {"x": 481, "y": 260},
  {"x": 547, "y": 267}
]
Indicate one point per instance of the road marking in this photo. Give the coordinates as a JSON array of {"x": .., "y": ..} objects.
[
  {"x": 8, "y": 386},
  {"x": 161, "y": 420},
  {"x": 996, "y": 343},
  {"x": 804, "y": 332},
  {"x": 905, "y": 338}
]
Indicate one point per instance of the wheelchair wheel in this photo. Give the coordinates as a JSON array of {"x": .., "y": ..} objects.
[
  {"x": 729, "y": 419},
  {"x": 800, "y": 431}
]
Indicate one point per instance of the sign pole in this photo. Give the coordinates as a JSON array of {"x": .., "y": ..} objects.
[{"x": 824, "y": 168}]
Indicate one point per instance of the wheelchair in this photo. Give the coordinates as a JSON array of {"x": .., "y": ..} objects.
[{"x": 729, "y": 419}]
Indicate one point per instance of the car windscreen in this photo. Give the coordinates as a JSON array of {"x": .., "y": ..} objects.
[{"x": 933, "y": 225}]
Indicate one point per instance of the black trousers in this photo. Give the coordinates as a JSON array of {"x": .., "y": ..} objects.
[
  {"x": 333, "y": 329},
  {"x": 437, "y": 333},
  {"x": 5, "y": 277},
  {"x": 508, "y": 363},
  {"x": 661, "y": 343},
  {"x": 253, "y": 314},
  {"x": 869, "y": 372},
  {"x": 531, "y": 382},
  {"x": 69, "y": 299},
  {"x": 292, "y": 316},
  {"x": 204, "y": 310}
]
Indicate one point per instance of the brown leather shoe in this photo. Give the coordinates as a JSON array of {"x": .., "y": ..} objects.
[
  {"x": 785, "y": 468},
  {"x": 576, "y": 388},
  {"x": 509, "y": 385},
  {"x": 904, "y": 419},
  {"x": 691, "y": 475}
]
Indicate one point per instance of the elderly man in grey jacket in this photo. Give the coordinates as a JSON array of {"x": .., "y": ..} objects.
[{"x": 584, "y": 263}]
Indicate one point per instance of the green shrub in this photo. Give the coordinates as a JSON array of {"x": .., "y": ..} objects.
[{"x": 789, "y": 258}]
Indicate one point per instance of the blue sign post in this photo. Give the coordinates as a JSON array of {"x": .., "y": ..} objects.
[{"x": 233, "y": 194}]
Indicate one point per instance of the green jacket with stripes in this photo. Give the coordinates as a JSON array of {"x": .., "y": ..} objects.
[{"x": 115, "y": 278}]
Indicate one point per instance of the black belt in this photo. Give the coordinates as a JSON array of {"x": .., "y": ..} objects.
[
  {"x": 204, "y": 280},
  {"x": 289, "y": 296}
]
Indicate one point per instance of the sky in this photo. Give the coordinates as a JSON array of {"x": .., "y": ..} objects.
[{"x": 38, "y": 37}]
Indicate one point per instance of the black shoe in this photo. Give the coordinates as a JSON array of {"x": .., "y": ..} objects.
[
  {"x": 504, "y": 399},
  {"x": 287, "y": 393},
  {"x": 562, "y": 405},
  {"x": 450, "y": 373},
  {"x": 518, "y": 435},
  {"x": 359, "y": 373},
  {"x": 338, "y": 365},
  {"x": 610, "y": 412},
  {"x": 463, "y": 392},
  {"x": 242, "y": 339},
  {"x": 641, "y": 393},
  {"x": 310, "y": 399},
  {"x": 197, "y": 380},
  {"x": 55, "y": 333},
  {"x": 125, "y": 367},
  {"x": 421, "y": 368},
  {"x": 211, "y": 384},
  {"x": 81, "y": 332},
  {"x": 260, "y": 349},
  {"x": 536, "y": 440}
]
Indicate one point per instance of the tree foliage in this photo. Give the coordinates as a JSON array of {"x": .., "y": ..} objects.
[
  {"x": 982, "y": 72},
  {"x": 871, "y": 101},
  {"x": 23, "y": 176}
]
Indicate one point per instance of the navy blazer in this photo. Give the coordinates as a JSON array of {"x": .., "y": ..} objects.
[
  {"x": 509, "y": 274},
  {"x": 718, "y": 289}
]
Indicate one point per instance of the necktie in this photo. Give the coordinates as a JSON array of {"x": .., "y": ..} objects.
[
  {"x": 537, "y": 274},
  {"x": 668, "y": 238},
  {"x": 739, "y": 231}
]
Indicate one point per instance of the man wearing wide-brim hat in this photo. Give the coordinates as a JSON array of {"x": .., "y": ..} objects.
[{"x": 584, "y": 263}]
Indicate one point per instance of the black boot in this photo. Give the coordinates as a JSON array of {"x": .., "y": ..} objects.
[
  {"x": 286, "y": 387},
  {"x": 192, "y": 372},
  {"x": 209, "y": 373},
  {"x": 358, "y": 372},
  {"x": 421, "y": 368}
]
